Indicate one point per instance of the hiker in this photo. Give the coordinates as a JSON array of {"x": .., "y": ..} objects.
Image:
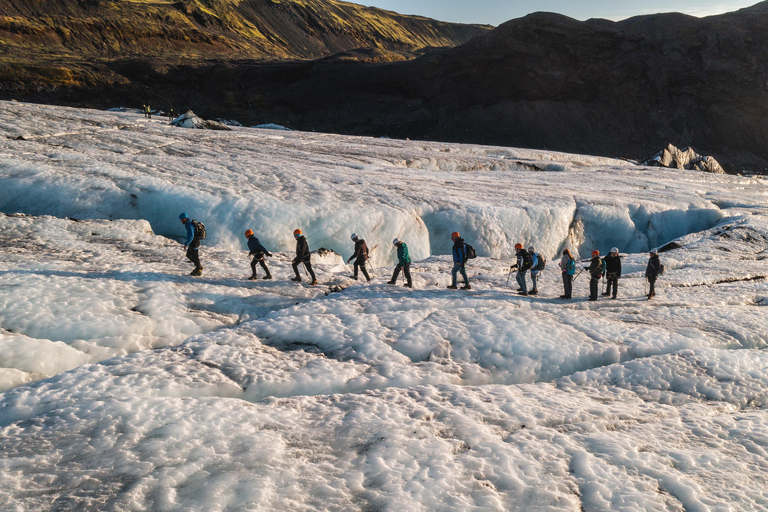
[
  {"x": 522, "y": 266},
  {"x": 360, "y": 256},
  {"x": 568, "y": 268},
  {"x": 258, "y": 251},
  {"x": 537, "y": 265},
  {"x": 403, "y": 263},
  {"x": 192, "y": 244},
  {"x": 612, "y": 272},
  {"x": 596, "y": 273},
  {"x": 459, "y": 262},
  {"x": 170, "y": 115},
  {"x": 653, "y": 271},
  {"x": 302, "y": 256}
]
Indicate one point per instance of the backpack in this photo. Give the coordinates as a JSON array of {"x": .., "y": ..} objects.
[
  {"x": 365, "y": 250},
  {"x": 570, "y": 267},
  {"x": 527, "y": 261},
  {"x": 470, "y": 252},
  {"x": 542, "y": 263},
  {"x": 199, "y": 230},
  {"x": 603, "y": 267},
  {"x": 661, "y": 269}
]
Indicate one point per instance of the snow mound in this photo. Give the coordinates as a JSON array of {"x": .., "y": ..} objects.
[
  {"x": 687, "y": 158},
  {"x": 191, "y": 120}
]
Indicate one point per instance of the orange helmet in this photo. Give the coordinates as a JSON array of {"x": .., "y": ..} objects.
[
  {"x": 296, "y": 232},
  {"x": 455, "y": 234},
  {"x": 518, "y": 246},
  {"x": 249, "y": 232},
  {"x": 595, "y": 253}
]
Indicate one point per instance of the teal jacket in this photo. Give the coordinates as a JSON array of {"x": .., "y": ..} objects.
[{"x": 403, "y": 258}]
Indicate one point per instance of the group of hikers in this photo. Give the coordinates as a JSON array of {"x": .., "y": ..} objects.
[{"x": 526, "y": 259}]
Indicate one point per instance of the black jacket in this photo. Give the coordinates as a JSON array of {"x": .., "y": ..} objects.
[
  {"x": 613, "y": 265},
  {"x": 361, "y": 251},
  {"x": 654, "y": 267},
  {"x": 302, "y": 249},
  {"x": 524, "y": 260},
  {"x": 596, "y": 268}
]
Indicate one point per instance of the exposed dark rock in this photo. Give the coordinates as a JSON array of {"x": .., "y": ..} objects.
[{"x": 687, "y": 158}]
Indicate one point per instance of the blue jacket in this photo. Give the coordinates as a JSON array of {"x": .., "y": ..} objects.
[
  {"x": 190, "y": 232},
  {"x": 459, "y": 251},
  {"x": 255, "y": 246},
  {"x": 534, "y": 262}
]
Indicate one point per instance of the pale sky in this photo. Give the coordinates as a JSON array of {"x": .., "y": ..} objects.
[{"x": 496, "y": 12}]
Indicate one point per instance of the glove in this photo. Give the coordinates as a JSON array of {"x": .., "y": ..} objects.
[
  {"x": 185, "y": 247},
  {"x": 269, "y": 254}
]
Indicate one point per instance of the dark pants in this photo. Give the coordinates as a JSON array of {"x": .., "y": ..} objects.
[
  {"x": 406, "y": 270},
  {"x": 360, "y": 265},
  {"x": 594, "y": 286},
  {"x": 307, "y": 265},
  {"x": 652, "y": 282},
  {"x": 193, "y": 253},
  {"x": 613, "y": 281},
  {"x": 567, "y": 285},
  {"x": 257, "y": 260}
]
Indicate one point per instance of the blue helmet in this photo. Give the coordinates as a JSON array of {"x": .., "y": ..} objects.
[{"x": 183, "y": 216}]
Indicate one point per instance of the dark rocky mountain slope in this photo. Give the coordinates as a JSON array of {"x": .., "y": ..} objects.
[{"x": 544, "y": 81}]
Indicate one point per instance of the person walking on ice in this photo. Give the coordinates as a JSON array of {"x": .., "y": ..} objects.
[
  {"x": 360, "y": 256},
  {"x": 258, "y": 251},
  {"x": 612, "y": 272},
  {"x": 195, "y": 233},
  {"x": 596, "y": 273},
  {"x": 302, "y": 256},
  {"x": 522, "y": 266},
  {"x": 403, "y": 263},
  {"x": 653, "y": 271},
  {"x": 460, "y": 257},
  {"x": 537, "y": 265},
  {"x": 568, "y": 268}
]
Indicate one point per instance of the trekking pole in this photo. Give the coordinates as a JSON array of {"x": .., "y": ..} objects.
[
  {"x": 371, "y": 266},
  {"x": 304, "y": 264},
  {"x": 646, "y": 287},
  {"x": 509, "y": 275}
]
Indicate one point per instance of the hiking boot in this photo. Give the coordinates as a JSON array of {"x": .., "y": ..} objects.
[
  {"x": 252, "y": 278},
  {"x": 466, "y": 287},
  {"x": 197, "y": 272},
  {"x": 391, "y": 282},
  {"x": 353, "y": 277},
  {"x": 613, "y": 297},
  {"x": 533, "y": 292},
  {"x": 268, "y": 276},
  {"x": 606, "y": 294},
  {"x": 409, "y": 285},
  {"x": 522, "y": 293},
  {"x": 563, "y": 296},
  {"x": 313, "y": 283},
  {"x": 592, "y": 300},
  {"x": 651, "y": 295},
  {"x": 296, "y": 279},
  {"x": 453, "y": 287}
]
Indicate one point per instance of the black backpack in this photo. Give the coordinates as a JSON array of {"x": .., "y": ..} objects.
[
  {"x": 199, "y": 230},
  {"x": 527, "y": 261},
  {"x": 541, "y": 264},
  {"x": 471, "y": 253}
]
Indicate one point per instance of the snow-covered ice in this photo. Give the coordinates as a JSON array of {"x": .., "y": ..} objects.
[{"x": 133, "y": 386}]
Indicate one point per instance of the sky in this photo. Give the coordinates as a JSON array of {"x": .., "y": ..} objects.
[{"x": 496, "y": 12}]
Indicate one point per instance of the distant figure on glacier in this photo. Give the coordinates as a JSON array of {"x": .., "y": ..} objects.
[
  {"x": 403, "y": 263},
  {"x": 195, "y": 233},
  {"x": 460, "y": 258},
  {"x": 653, "y": 271},
  {"x": 537, "y": 265},
  {"x": 568, "y": 268},
  {"x": 302, "y": 256},
  {"x": 596, "y": 270},
  {"x": 258, "y": 251},
  {"x": 523, "y": 264},
  {"x": 612, "y": 271},
  {"x": 360, "y": 256}
]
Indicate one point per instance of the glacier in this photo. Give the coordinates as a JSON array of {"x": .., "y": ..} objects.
[{"x": 129, "y": 385}]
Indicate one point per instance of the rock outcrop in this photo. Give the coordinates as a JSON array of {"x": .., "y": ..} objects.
[
  {"x": 687, "y": 158},
  {"x": 191, "y": 120}
]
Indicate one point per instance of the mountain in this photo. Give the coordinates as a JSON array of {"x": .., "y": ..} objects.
[
  {"x": 214, "y": 29},
  {"x": 544, "y": 81}
]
